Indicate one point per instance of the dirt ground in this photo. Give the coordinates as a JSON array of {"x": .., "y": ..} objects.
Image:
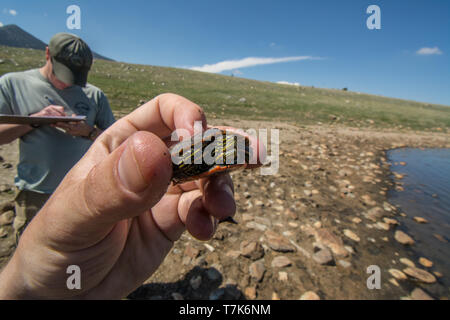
[{"x": 309, "y": 231}]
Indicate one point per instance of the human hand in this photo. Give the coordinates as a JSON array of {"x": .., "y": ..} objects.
[
  {"x": 50, "y": 111},
  {"x": 114, "y": 215},
  {"x": 75, "y": 128}
]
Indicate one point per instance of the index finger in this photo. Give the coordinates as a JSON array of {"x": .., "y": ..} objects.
[
  {"x": 161, "y": 116},
  {"x": 58, "y": 110}
]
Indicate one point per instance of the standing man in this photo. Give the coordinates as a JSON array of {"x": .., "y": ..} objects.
[{"x": 47, "y": 153}]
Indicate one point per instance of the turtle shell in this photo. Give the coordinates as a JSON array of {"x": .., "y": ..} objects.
[{"x": 210, "y": 153}]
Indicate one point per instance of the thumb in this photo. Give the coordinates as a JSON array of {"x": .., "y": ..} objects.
[{"x": 123, "y": 185}]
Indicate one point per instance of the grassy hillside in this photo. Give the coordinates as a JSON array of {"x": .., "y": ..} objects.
[{"x": 227, "y": 97}]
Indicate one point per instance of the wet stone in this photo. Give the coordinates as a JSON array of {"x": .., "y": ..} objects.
[
  {"x": 420, "y": 274},
  {"x": 403, "y": 238},
  {"x": 419, "y": 294},
  {"x": 310, "y": 295}
]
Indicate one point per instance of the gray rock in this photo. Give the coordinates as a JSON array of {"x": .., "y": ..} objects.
[
  {"x": 7, "y": 218},
  {"x": 280, "y": 262},
  {"x": 323, "y": 256},
  {"x": 257, "y": 270},
  {"x": 278, "y": 243},
  {"x": 252, "y": 250}
]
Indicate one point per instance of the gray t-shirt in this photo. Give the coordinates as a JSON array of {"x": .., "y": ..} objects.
[{"x": 46, "y": 153}]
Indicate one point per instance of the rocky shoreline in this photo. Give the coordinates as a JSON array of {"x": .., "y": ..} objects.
[{"x": 308, "y": 232}]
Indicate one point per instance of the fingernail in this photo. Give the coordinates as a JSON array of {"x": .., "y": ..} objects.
[{"x": 129, "y": 172}]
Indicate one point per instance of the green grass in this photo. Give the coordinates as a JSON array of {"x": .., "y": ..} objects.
[{"x": 127, "y": 84}]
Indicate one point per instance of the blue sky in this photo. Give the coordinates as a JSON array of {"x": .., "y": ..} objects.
[{"x": 315, "y": 43}]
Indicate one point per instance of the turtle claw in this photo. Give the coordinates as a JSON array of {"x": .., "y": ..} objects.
[{"x": 229, "y": 220}]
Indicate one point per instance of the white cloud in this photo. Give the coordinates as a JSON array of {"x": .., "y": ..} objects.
[
  {"x": 237, "y": 72},
  {"x": 1, "y": 24},
  {"x": 247, "y": 62},
  {"x": 428, "y": 51},
  {"x": 289, "y": 83},
  {"x": 12, "y": 12}
]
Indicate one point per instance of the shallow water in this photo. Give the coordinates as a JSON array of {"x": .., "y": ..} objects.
[{"x": 426, "y": 194}]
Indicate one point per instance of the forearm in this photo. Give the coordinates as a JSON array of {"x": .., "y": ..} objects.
[{"x": 10, "y": 132}]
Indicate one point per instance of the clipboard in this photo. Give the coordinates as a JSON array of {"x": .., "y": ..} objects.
[{"x": 15, "y": 119}]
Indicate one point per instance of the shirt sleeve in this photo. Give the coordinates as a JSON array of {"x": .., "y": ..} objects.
[
  {"x": 5, "y": 101},
  {"x": 105, "y": 117}
]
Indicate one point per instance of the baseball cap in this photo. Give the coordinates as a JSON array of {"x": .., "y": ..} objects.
[{"x": 71, "y": 58}]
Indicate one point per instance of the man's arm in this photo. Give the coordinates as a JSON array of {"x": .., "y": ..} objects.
[{"x": 10, "y": 132}]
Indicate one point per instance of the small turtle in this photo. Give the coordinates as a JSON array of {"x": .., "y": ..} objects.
[{"x": 228, "y": 150}]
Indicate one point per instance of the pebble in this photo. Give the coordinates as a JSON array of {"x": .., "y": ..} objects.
[
  {"x": 275, "y": 296},
  {"x": 368, "y": 200},
  {"x": 191, "y": 252},
  {"x": 349, "y": 249},
  {"x": 390, "y": 221},
  {"x": 323, "y": 256},
  {"x": 420, "y": 274},
  {"x": 7, "y": 218},
  {"x": 440, "y": 238},
  {"x": 351, "y": 235},
  {"x": 233, "y": 254},
  {"x": 425, "y": 262},
  {"x": 403, "y": 238},
  {"x": 278, "y": 242},
  {"x": 382, "y": 226},
  {"x": 407, "y": 262},
  {"x": 250, "y": 293},
  {"x": 374, "y": 214},
  {"x": 317, "y": 225},
  {"x": 397, "y": 274},
  {"x": 257, "y": 270},
  {"x": 309, "y": 295},
  {"x": 252, "y": 250},
  {"x": 356, "y": 220},
  {"x": 3, "y": 232},
  {"x": 420, "y": 220},
  {"x": 280, "y": 262},
  {"x": 419, "y": 294},
  {"x": 282, "y": 276},
  {"x": 332, "y": 241},
  {"x": 344, "y": 264},
  {"x": 394, "y": 282},
  {"x": 255, "y": 225}
]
